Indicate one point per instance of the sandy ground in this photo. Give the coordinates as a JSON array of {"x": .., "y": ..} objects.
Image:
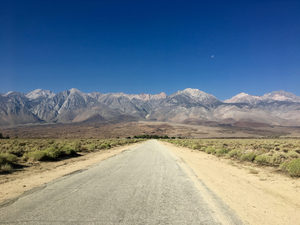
[
  {"x": 39, "y": 173},
  {"x": 264, "y": 198}
]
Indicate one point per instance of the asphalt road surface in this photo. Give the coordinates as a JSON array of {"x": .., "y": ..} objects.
[{"x": 146, "y": 184}]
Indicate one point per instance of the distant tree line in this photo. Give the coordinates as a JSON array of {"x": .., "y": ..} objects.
[{"x": 1, "y": 136}]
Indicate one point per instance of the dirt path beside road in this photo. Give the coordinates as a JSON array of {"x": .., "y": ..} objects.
[{"x": 263, "y": 198}]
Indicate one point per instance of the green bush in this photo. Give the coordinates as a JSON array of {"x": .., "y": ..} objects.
[
  {"x": 6, "y": 167},
  {"x": 185, "y": 144},
  {"x": 283, "y": 166},
  {"x": 91, "y": 147},
  {"x": 292, "y": 154},
  {"x": 248, "y": 157},
  {"x": 222, "y": 151},
  {"x": 203, "y": 149},
  {"x": 68, "y": 150},
  {"x": 194, "y": 146},
  {"x": 104, "y": 146},
  {"x": 210, "y": 150},
  {"x": 36, "y": 155},
  {"x": 6, "y": 157},
  {"x": 294, "y": 168},
  {"x": 52, "y": 153},
  {"x": 263, "y": 159},
  {"x": 276, "y": 159},
  {"x": 234, "y": 153}
]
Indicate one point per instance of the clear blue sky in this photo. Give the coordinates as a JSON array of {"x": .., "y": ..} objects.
[{"x": 133, "y": 46}]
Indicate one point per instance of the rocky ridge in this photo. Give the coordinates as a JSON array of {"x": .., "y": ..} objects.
[{"x": 187, "y": 106}]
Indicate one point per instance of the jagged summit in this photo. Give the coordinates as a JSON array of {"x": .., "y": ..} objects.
[
  {"x": 38, "y": 93},
  {"x": 8, "y": 93},
  {"x": 197, "y": 95},
  {"x": 280, "y": 96},
  {"x": 241, "y": 95},
  {"x": 275, "y": 108},
  {"x": 147, "y": 97},
  {"x": 74, "y": 90}
]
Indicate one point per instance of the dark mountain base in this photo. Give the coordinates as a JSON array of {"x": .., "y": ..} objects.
[{"x": 115, "y": 129}]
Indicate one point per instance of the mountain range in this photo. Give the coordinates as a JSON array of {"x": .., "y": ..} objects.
[{"x": 189, "y": 106}]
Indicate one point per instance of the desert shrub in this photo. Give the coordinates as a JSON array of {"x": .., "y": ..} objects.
[
  {"x": 248, "y": 157},
  {"x": 22, "y": 144},
  {"x": 35, "y": 156},
  {"x": 234, "y": 153},
  {"x": 68, "y": 150},
  {"x": 276, "y": 159},
  {"x": 283, "y": 166},
  {"x": 52, "y": 153},
  {"x": 2, "y": 160},
  {"x": 50, "y": 142},
  {"x": 91, "y": 147},
  {"x": 6, "y": 167},
  {"x": 114, "y": 143},
  {"x": 194, "y": 146},
  {"x": 222, "y": 151},
  {"x": 105, "y": 146},
  {"x": 203, "y": 149},
  {"x": 184, "y": 144},
  {"x": 18, "y": 151},
  {"x": 294, "y": 168},
  {"x": 54, "y": 146},
  {"x": 292, "y": 154},
  {"x": 262, "y": 159},
  {"x": 6, "y": 157},
  {"x": 210, "y": 150},
  {"x": 77, "y": 146}
]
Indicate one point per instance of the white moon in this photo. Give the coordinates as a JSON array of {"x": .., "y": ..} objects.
[{"x": 212, "y": 56}]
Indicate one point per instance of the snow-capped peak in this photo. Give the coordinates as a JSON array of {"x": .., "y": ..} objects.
[
  {"x": 241, "y": 95},
  {"x": 8, "y": 93},
  {"x": 39, "y": 93},
  {"x": 74, "y": 90}
]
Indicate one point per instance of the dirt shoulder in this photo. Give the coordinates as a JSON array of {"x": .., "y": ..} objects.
[
  {"x": 263, "y": 198},
  {"x": 39, "y": 173}
]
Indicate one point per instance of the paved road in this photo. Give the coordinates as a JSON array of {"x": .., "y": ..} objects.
[{"x": 144, "y": 185}]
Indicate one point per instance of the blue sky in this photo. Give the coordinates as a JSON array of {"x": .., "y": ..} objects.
[{"x": 152, "y": 46}]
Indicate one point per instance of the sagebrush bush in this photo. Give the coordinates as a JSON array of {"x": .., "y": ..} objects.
[
  {"x": 68, "y": 150},
  {"x": 294, "y": 168},
  {"x": 203, "y": 149},
  {"x": 6, "y": 167},
  {"x": 262, "y": 159},
  {"x": 52, "y": 153},
  {"x": 210, "y": 150},
  {"x": 234, "y": 153},
  {"x": 36, "y": 155},
  {"x": 292, "y": 154},
  {"x": 91, "y": 147},
  {"x": 283, "y": 166},
  {"x": 276, "y": 159},
  {"x": 104, "y": 146},
  {"x": 194, "y": 146},
  {"x": 248, "y": 157},
  {"x": 222, "y": 151},
  {"x": 7, "y": 157}
]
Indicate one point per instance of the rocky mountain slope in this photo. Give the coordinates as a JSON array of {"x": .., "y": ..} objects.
[
  {"x": 190, "y": 106},
  {"x": 15, "y": 109}
]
